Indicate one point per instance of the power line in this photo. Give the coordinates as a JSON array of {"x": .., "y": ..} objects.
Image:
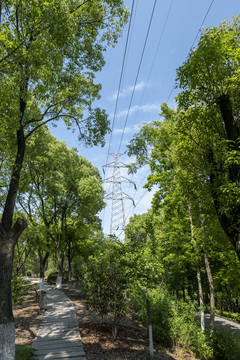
[
  {"x": 143, "y": 51},
  {"x": 209, "y": 8},
  {"x": 119, "y": 85},
  {"x": 153, "y": 62},
  {"x": 139, "y": 67},
  {"x": 155, "y": 55},
  {"x": 199, "y": 30},
  {"x": 137, "y": 190},
  {"x": 140, "y": 63},
  {"x": 121, "y": 77}
]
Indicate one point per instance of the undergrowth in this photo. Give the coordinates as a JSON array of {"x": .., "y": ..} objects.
[
  {"x": 175, "y": 324},
  {"x": 24, "y": 353}
]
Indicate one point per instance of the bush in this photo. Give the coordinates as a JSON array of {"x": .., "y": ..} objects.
[
  {"x": 225, "y": 344},
  {"x": 186, "y": 331},
  {"x": 173, "y": 322},
  {"x": 161, "y": 307},
  {"x": 80, "y": 268},
  {"x": 19, "y": 288},
  {"x": 24, "y": 353},
  {"x": 52, "y": 277}
]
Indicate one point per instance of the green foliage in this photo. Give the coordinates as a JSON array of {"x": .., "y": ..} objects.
[
  {"x": 106, "y": 282},
  {"x": 19, "y": 288},
  {"x": 141, "y": 251},
  {"x": 228, "y": 315},
  {"x": 174, "y": 323},
  {"x": 52, "y": 277},
  {"x": 186, "y": 330},
  {"x": 209, "y": 119},
  {"x": 55, "y": 48},
  {"x": 61, "y": 192},
  {"x": 24, "y": 353},
  {"x": 161, "y": 307},
  {"x": 225, "y": 344}
]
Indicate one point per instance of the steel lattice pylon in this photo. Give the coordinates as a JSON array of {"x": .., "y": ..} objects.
[{"x": 117, "y": 195}]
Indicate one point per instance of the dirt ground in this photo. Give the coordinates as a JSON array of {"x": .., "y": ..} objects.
[
  {"x": 27, "y": 318},
  {"x": 131, "y": 343}
]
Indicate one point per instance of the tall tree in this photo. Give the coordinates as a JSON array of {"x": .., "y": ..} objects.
[
  {"x": 49, "y": 53},
  {"x": 178, "y": 174},
  {"x": 58, "y": 189},
  {"x": 209, "y": 80}
]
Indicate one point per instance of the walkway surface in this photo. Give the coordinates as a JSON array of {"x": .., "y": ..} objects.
[
  {"x": 223, "y": 324},
  {"x": 58, "y": 336}
]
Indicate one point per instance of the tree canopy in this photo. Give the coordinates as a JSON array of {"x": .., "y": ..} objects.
[{"x": 50, "y": 51}]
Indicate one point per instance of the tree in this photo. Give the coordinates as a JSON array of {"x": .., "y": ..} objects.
[
  {"x": 107, "y": 281},
  {"x": 50, "y": 51},
  {"x": 58, "y": 189},
  {"x": 209, "y": 80},
  {"x": 143, "y": 262},
  {"x": 177, "y": 175}
]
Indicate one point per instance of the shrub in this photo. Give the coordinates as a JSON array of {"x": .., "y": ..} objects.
[
  {"x": 19, "y": 288},
  {"x": 186, "y": 330},
  {"x": 225, "y": 344},
  {"x": 161, "y": 307},
  {"x": 106, "y": 284},
  {"x": 80, "y": 269},
  {"x": 162, "y": 312},
  {"x": 52, "y": 277},
  {"x": 173, "y": 322},
  {"x": 24, "y": 353}
]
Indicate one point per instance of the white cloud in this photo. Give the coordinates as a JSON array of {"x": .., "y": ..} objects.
[
  {"x": 128, "y": 129},
  {"x": 128, "y": 90},
  {"x": 143, "y": 108}
]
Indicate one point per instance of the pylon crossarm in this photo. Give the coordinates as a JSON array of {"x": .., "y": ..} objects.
[{"x": 130, "y": 181}]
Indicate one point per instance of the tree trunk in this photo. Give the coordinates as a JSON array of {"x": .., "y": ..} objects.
[
  {"x": 42, "y": 300},
  {"x": 200, "y": 294},
  {"x": 211, "y": 289},
  {"x": 209, "y": 275},
  {"x": 7, "y": 329},
  {"x": 42, "y": 263},
  {"x": 8, "y": 237},
  {"x": 150, "y": 333},
  {"x": 60, "y": 253},
  {"x": 60, "y": 261},
  {"x": 69, "y": 256},
  {"x": 199, "y": 282}
]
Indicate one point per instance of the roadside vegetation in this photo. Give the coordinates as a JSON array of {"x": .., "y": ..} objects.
[
  {"x": 24, "y": 353},
  {"x": 181, "y": 259}
]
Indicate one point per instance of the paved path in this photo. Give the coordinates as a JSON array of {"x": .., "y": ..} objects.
[
  {"x": 223, "y": 323},
  {"x": 58, "y": 336}
]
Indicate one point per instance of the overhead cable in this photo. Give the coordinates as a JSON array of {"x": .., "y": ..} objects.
[
  {"x": 119, "y": 85},
  {"x": 121, "y": 76},
  {"x": 139, "y": 67},
  {"x": 209, "y": 8}
]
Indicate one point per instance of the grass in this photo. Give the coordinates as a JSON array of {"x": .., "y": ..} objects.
[{"x": 24, "y": 353}]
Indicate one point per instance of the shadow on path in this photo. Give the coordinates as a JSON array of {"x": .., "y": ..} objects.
[
  {"x": 224, "y": 324},
  {"x": 58, "y": 337}
]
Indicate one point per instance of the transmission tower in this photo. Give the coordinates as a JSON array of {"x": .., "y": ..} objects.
[{"x": 117, "y": 196}]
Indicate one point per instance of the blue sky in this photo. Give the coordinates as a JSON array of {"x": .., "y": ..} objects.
[{"x": 175, "y": 25}]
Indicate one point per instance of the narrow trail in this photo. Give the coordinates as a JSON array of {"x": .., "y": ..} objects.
[{"x": 58, "y": 336}]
